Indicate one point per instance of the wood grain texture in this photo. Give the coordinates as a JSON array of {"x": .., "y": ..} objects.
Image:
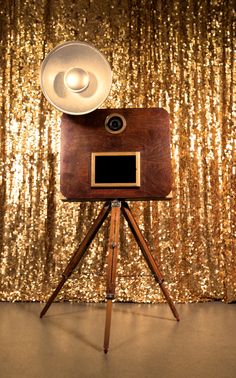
[{"x": 147, "y": 131}]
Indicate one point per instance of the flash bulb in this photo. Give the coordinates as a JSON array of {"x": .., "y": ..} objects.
[{"x": 76, "y": 79}]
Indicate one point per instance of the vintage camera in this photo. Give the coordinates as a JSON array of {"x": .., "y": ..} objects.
[
  {"x": 108, "y": 154},
  {"x": 105, "y": 153},
  {"x": 116, "y": 153}
]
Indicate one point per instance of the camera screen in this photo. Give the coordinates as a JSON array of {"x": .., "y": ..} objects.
[{"x": 115, "y": 169}]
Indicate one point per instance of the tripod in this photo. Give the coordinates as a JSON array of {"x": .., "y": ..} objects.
[{"x": 113, "y": 248}]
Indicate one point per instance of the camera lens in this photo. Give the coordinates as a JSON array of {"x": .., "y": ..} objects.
[{"x": 115, "y": 123}]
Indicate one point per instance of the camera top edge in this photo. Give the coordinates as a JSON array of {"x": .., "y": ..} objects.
[
  {"x": 119, "y": 110},
  {"x": 125, "y": 112}
]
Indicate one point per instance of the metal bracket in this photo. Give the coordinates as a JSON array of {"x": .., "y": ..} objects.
[
  {"x": 110, "y": 296},
  {"x": 116, "y": 203}
]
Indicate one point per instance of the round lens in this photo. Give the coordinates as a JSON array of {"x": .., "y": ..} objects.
[{"x": 115, "y": 124}]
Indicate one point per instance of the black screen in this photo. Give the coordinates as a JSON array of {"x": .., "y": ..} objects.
[{"x": 115, "y": 169}]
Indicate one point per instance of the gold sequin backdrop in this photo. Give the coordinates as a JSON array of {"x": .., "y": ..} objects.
[{"x": 172, "y": 54}]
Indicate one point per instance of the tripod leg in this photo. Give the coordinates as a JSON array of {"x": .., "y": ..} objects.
[
  {"x": 78, "y": 254},
  {"x": 113, "y": 250},
  {"x": 148, "y": 256},
  {"x": 107, "y": 325}
]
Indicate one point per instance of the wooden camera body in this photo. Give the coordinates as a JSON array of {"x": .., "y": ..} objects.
[{"x": 116, "y": 154}]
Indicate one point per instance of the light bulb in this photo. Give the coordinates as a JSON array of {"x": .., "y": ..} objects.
[{"x": 76, "y": 79}]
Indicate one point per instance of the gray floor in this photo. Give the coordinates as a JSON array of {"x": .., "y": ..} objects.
[{"x": 145, "y": 341}]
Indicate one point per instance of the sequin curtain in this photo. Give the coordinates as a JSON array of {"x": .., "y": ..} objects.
[{"x": 173, "y": 54}]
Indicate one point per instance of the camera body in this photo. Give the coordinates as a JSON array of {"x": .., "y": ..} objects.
[{"x": 116, "y": 154}]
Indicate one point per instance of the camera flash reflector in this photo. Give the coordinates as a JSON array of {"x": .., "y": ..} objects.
[{"x": 75, "y": 78}]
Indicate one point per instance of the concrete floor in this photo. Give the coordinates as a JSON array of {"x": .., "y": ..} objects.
[{"x": 145, "y": 341}]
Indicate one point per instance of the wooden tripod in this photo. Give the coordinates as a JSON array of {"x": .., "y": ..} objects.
[{"x": 113, "y": 248}]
